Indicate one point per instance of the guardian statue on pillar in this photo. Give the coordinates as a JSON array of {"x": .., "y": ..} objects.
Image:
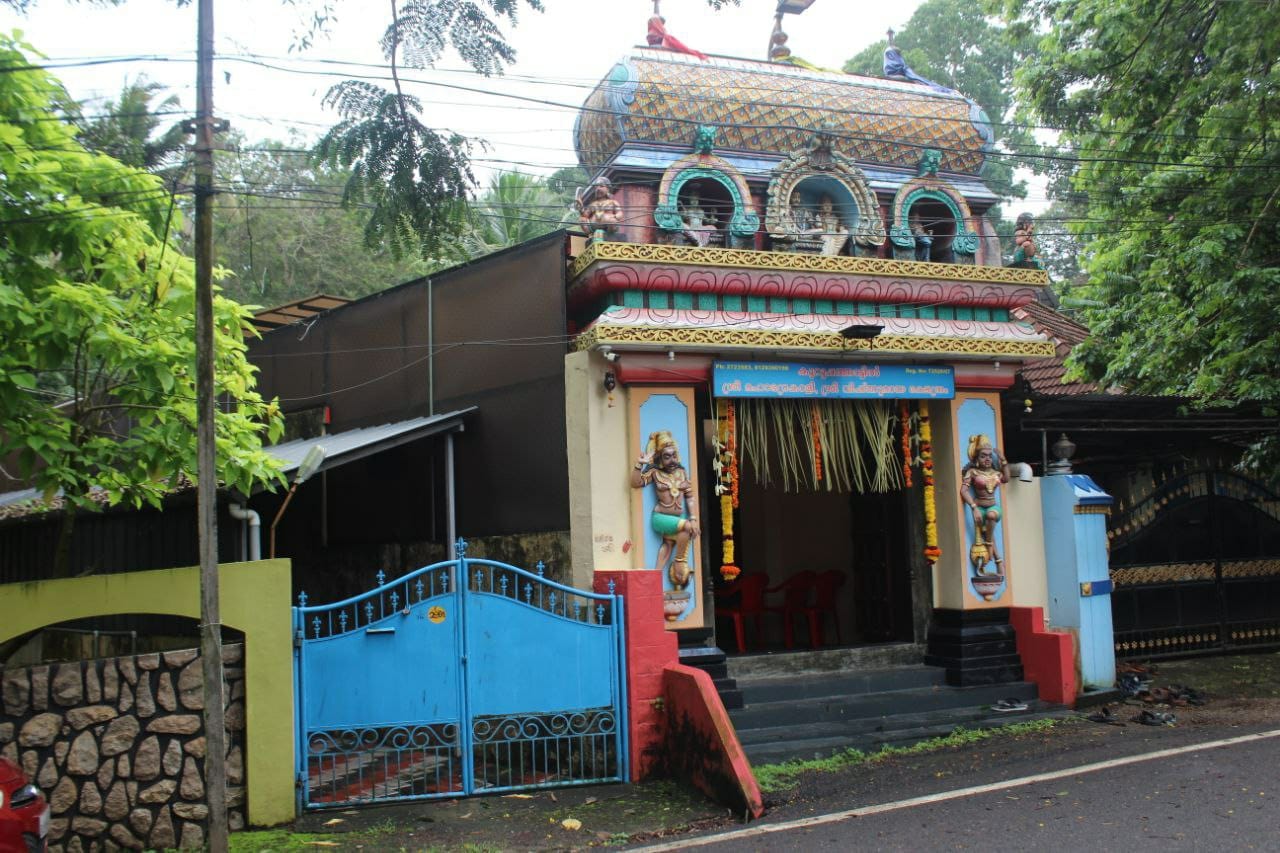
[
  {"x": 980, "y": 481},
  {"x": 660, "y": 466}
]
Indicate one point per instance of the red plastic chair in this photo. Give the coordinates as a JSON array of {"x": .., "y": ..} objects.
[
  {"x": 743, "y": 598},
  {"x": 827, "y": 585},
  {"x": 795, "y": 599}
]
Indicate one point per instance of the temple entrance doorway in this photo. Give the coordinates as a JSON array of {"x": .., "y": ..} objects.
[{"x": 825, "y": 563}]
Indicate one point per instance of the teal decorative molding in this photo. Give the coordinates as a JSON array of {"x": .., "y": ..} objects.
[
  {"x": 930, "y": 160},
  {"x": 705, "y": 141},
  {"x": 744, "y": 222}
]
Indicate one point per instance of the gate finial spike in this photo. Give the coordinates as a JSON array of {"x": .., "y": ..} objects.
[
  {"x": 613, "y": 586},
  {"x": 541, "y": 567},
  {"x": 381, "y": 576},
  {"x": 302, "y": 598},
  {"x": 461, "y": 547}
]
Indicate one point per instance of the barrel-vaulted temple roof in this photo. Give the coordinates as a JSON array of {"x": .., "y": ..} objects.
[{"x": 656, "y": 98}]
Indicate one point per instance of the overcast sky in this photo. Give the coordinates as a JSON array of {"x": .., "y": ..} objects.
[{"x": 561, "y": 54}]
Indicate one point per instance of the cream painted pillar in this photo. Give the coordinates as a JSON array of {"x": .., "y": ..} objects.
[
  {"x": 971, "y": 412},
  {"x": 1025, "y": 536},
  {"x": 599, "y": 466}
]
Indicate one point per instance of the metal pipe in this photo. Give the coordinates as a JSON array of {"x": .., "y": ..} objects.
[
  {"x": 253, "y": 526},
  {"x": 451, "y": 521},
  {"x": 431, "y": 349}
]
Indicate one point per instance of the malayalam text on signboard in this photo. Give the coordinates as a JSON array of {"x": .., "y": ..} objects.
[{"x": 833, "y": 381}]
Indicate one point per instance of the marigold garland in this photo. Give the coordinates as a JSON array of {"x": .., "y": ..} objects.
[
  {"x": 815, "y": 425},
  {"x": 727, "y": 489},
  {"x": 932, "y": 552},
  {"x": 731, "y": 441},
  {"x": 904, "y": 415}
]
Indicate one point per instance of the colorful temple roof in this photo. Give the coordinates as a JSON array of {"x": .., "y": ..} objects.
[{"x": 656, "y": 99}]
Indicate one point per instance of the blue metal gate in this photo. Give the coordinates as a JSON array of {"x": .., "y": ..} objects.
[{"x": 462, "y": 677}]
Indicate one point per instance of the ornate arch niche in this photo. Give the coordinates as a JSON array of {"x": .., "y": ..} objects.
[
  {"x": 797, "y": 208},
  {"x": 931, "y": 219},
  {"x": 723, "y": 216}
]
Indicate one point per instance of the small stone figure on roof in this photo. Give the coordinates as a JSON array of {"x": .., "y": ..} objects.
[
  {"x": 601, "y": 213},
  {"x": 1024, "y": 244}
]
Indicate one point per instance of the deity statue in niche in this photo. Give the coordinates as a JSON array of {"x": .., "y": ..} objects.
[
  {"x": 1024, "y": 243},
  {"x": 698, "y": 224},
  {"x": 923, "y": 238},
  {"x": 600, "y": 212},
  {"x": 660, "y": 466},
  {"x": 822, "y": 226},
  {"x": 980, "y": 481}
]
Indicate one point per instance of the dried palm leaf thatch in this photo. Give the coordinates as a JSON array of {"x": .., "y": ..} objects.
[{"x": 859, "y": 450}]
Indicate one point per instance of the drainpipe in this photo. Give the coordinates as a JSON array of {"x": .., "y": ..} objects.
[{"x": 240, "y": 513}]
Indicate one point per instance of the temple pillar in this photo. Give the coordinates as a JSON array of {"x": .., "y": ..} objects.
[
  {"x": 969, "y": 635},
  {"x": 1075, "y": 541},
  {"x": 598, "y": 456}
]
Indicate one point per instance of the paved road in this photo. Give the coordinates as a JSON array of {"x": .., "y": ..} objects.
[{"x": 1223, "y": 799}]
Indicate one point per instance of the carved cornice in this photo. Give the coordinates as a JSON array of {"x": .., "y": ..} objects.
[
  {"x": 729, "y": 338},
  {"x": 752, "y": 260},
  {"x": 611, "y": 277}
]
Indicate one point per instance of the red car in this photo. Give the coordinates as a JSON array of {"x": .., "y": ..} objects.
[{"x": 24, "y": 814}]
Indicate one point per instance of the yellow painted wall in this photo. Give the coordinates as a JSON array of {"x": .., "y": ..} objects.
[
  {"x": 599, "y": 469},
  {"x": 254, "y": 598},
  {"x": 1025, "y": 536}
]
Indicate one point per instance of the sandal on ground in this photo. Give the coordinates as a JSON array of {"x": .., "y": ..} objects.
[
  {"x": 1106, "y": 715},
  {"x": 1155, "y": 718},
  {"x": 1005, "y": 706}
]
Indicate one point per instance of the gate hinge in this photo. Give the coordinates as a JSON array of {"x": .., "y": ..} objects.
[{"x": 658, "y": 704}]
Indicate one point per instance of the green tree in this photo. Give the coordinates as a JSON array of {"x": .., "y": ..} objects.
[
  {"x": 954, "y": 43},
  {"x": 126, "y": 129},
  {"x": 411, "y": 178},
  {"x": 1169, "y": 109},
  {"x": 90, "y": 293},
  {"x": 515, "y": 208},
  {"x": 281, "y": 230}
]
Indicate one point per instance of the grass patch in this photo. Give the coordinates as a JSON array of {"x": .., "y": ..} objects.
[
  {"x": 285, "y": 841},
  {"x": 779, "y": 777},
  {"x": 276, "y": 841}
]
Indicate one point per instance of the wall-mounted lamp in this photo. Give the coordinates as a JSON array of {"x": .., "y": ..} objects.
[
  {"x": 610, "y": 382},
  {"x": 1026, "y": 406},
  {"x": 671, "y": 355},
  {"x": 608, "y": 353},
  {"x": 860, "y": 332},
  {"x": 310, "y": 463}
]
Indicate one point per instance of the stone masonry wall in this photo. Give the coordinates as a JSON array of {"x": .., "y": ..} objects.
[{"x": 118, "y": 747}]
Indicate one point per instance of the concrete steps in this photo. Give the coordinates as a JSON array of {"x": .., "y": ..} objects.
[{"x": 818, "y": 715}]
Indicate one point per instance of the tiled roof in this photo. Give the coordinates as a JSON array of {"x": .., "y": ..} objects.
[{"x": 1047, "y": 375}]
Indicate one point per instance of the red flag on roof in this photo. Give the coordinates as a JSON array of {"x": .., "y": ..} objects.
[{"x": 659, "y": 37}]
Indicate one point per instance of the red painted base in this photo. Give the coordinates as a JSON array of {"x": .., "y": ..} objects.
[
  {"x": 1048, "y": 657},
  {"x": 650, "y": 648},
  {"x": 701, "y": 745}
]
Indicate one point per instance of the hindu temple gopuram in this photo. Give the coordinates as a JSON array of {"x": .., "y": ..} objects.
[{"x": 792, "y": 322}]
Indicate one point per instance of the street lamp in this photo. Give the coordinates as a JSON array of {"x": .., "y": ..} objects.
[{"x": 308, "y": 466}]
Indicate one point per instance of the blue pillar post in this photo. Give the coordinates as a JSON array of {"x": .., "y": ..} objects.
[{"x": 1075, "y": 542}]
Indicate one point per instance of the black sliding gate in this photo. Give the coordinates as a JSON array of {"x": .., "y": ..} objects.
[{"x": 1196, "y": 567}]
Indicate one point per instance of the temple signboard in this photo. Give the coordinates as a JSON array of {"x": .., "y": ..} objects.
[{"x": 833, "y": 381}]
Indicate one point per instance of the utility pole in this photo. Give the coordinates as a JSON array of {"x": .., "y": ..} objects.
[{"x": 215, "y": 778}]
